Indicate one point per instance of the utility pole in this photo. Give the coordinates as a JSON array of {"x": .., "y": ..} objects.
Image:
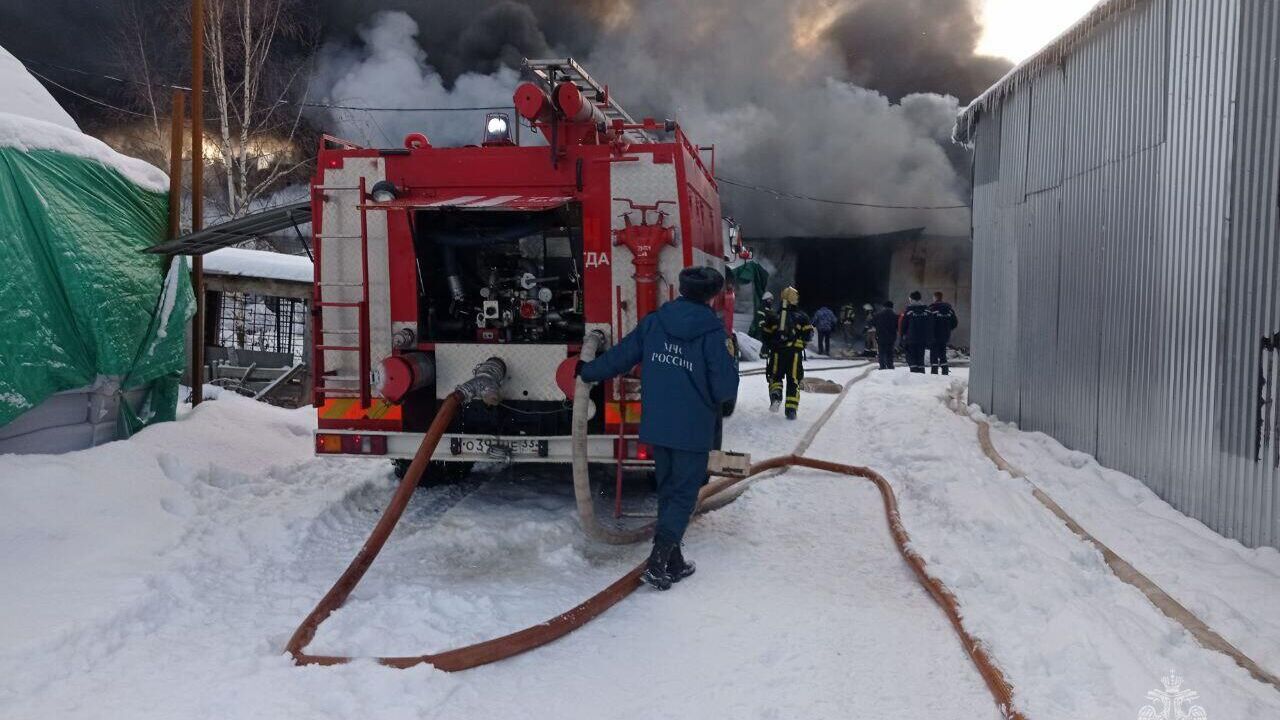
[{"x": 197, "y": 196}]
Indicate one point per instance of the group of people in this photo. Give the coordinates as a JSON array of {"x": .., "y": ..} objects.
[{"x": 921, "y": 328}]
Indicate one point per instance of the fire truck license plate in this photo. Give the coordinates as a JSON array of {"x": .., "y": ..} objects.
[{"x": 494, "y": 447}]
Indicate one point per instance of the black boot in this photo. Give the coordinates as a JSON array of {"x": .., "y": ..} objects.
[
  {"x": 791, "y": 413},
  {"x": 656, "y": 572},
  {"x": 677, "y": 567}
]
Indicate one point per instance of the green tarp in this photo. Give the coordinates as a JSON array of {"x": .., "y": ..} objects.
[{"x": 78, "y": 298}]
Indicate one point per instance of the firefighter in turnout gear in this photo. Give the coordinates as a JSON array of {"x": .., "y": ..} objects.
[
  {"x": 848, "y": 320},
  {"x": 786, "y": 356}
]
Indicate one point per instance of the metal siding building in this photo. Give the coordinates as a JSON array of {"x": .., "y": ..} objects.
[{"x": 1126, "y": 227}]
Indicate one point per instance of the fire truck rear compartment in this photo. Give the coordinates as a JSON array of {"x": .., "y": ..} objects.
[{"x": 497, "y": 278}]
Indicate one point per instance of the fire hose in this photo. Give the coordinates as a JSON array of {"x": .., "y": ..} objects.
[
  {"x": 1206, "y": 636},
  {"x": 591, "y": 344},
  {"x": 483, "y": 386}
]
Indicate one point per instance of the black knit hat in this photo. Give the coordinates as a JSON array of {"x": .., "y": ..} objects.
[{"x": 700, "y": 284}]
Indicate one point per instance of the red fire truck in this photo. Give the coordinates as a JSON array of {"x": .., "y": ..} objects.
[{"x": 429, "y": 261}]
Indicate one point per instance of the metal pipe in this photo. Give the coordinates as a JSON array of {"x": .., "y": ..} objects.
[
  {"x": 575, "y": 106},
  {"x": 533, "y": 104},
  {"x": 197, "y": 196}
]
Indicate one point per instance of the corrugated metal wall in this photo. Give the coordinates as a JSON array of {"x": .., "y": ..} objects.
[{"x": 1127, "y": 253}]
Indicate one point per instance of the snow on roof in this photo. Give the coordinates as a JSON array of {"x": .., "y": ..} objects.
[
  {"x": 1052, "y": 54},
  {"x": 259, "y": 264},
  {"x": 32, "y": 120},
  {"x": 24, "y": 95}
]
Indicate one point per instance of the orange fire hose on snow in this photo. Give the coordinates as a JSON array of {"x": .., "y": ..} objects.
[{"x": 507, "y": 646}]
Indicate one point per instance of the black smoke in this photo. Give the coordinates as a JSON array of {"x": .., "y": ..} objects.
[
  {"x": 833, "y": 98},
  {"x": 899, "y": 47}
]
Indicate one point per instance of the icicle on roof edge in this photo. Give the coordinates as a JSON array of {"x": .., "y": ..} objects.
[{"x": 1052, "y": 54}]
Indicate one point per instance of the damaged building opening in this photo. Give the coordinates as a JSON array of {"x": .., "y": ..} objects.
[
  {"x": 835, "y": 271},
  {"x": 861, "y": 269}
]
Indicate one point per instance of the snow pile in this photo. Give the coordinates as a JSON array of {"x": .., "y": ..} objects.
[
  {"x": 23, "y": 95},
  {"x": 32, "y": 120},
  {"x": 259, "y": 264}
]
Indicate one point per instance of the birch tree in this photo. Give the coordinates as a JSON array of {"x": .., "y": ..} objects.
[{"x": 250, "y": 85}]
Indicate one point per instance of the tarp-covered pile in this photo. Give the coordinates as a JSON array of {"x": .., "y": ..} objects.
[{"x": 80, "y": 304}]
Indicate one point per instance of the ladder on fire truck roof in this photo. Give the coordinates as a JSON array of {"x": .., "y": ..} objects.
[{"x": 555, "y": 70}]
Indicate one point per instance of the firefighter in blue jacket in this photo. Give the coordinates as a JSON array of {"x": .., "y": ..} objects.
[
  {"x": 916, "y": 331},
  {"x": 787, "y": 336},
  {"x": 689, "y": 374},
  {"x": 944, "y": 320}
]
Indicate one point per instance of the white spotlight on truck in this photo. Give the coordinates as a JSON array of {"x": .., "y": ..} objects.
[
  {"x": 497, "y": 129},
  {"x": 383, "y": 191}
]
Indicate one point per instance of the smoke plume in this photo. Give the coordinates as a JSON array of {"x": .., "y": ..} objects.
[
  {"x": 901, "y": 47},
  {"x": 388, "y": 68},
  {"x": 792, "y": 94},
  {"x": 841, "y": 99}
]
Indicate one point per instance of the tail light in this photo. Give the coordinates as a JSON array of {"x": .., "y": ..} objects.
[
  {"x": 616, "y": 412},
  {"x": 334, "y": 444}
]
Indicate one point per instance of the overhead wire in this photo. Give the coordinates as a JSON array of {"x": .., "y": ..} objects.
[
  {"x": 82, "y": 96},
  {"x": 369, "y": 110},
  {"x": 295, "y": 103},
  {"x": 787, "y": 195}
]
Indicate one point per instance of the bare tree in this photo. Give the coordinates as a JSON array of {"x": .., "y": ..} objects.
[
  {"x": 251, "y": 83},
  {"x": 258, "y": 56}
]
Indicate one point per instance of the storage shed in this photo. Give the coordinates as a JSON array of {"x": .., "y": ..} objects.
[{"x": 1126, "y": 274}]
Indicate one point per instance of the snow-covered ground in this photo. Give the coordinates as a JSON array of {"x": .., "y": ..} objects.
[{"x": 159, "y": 577}]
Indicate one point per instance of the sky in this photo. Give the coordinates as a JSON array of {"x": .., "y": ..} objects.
[{"x": 1016, "y": 29}]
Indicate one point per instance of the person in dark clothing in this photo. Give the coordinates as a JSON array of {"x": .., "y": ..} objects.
[
  {"x": 824, "y": 321},
  {"x": 786, "y": 358},
  {"x": 689, "y": 374},
  {"x": 944, "y": 320},
  {"x": 885, "y": 322},
  {"x": 848, "y": 319},
  {"x": 765, "y": 318},
  {"x": 916, "y": 332}
]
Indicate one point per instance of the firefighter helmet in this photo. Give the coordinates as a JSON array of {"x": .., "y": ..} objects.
[{"x": 790, "y": 296}]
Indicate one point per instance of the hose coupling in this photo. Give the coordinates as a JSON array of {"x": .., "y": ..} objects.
[{"x": 486, "y": 382}]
